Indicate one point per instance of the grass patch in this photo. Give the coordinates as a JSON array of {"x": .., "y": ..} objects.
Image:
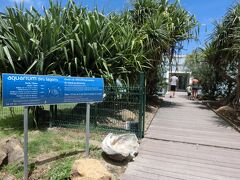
[
  {"x": 11, "y": 121},
  {"x": 95, "y": 152},
  {"x": 17, "y": 169},
  {"x": 10, "y": 132},
  {"x": 61, "y": 169},
  {"x": 51, "y": 141},
  {"x": 44, "y": 144}
]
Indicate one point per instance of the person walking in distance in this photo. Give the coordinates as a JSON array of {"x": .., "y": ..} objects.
[
  {"x": 173, "y": 83},
  {"x": 189, "y": 91},
  {"x": 194, "y": 88}
]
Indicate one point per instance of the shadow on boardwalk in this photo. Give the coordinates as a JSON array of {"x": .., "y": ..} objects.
[
  {"x": 197, "y": 104},
  {"x": 186, "y": 140},
  {"x": 166, "y": 104}
]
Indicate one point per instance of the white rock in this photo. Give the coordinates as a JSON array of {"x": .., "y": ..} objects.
[{"x": 120, "y": 147}]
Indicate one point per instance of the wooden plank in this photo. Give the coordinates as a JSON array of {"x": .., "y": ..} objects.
[
  {"x": 195, "y": 140},
  {"x": 165, "y": 172},
  {"x": 199, "y": 132},
  {"x": 187, "y": 150},
  {"x": 185, "y": 170},
  {"x": 192, "y": 159},
  {"x": 196, "y": 127},
  {"x": 151, "y": 143},
  {"x": 216, "y": 124},
  {"x": 208, "y": 158},
  {"x": 173, "y": 150},
  {"x": 193, "y": 166},
  {"x": 134, "y": 174},
  {"x": 187, "y": 132},
  {"x": 142, "y": 175}
]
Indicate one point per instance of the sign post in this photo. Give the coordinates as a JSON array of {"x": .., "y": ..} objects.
[
  {"x": 87, "y": 129},
  {"x": 34, "y": 90},
  {"x": 26, "y": 143}
]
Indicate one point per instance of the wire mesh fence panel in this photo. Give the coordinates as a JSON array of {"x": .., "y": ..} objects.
[
  {"x": 119, "y": 108},
  {"x": 68, "y": 115},
  {"x": 11, "y": 117},
  {"x": 119, "y": 112}
]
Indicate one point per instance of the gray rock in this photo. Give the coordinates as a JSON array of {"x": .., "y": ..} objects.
[
  {"x": 15, "y": 150},
  {"x": 9, "y": 177},
  {"x": 3, "y": 156},
  {"x": 3, "y": 151},
  {"x": 11, "y": 150}
]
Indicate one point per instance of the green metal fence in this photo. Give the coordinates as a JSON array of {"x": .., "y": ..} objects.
[
  {"x": 11, "y": 118},
  {"x": 123, "y": 110}
]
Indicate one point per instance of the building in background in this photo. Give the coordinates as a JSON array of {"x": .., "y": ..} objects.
[{"x": 178, "y": 68}]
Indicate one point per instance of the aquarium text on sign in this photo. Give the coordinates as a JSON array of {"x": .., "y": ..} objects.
[{"x": 33, "y": 90}]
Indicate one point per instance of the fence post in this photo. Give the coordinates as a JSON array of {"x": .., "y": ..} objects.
[
  {"x": 142, "y": 101},
  {"x": 55, "y": 112},
  {"x": 51, "y": 116},
  {"x": 95, "y": 115},
  {"x": 144, "y": 105}
]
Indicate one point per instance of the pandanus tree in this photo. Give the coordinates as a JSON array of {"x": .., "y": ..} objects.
[
  {"x": 198, "y": 64},
  {"x": 226, "y": 41},
  {"x": 29, "y": 42},
  {"x": 73, "y": 41},
  {"x": 167, "y": 26},
  {"x": 70, "y": 40},
  {"x": 183, "y": 27},
  {"x": 222, "y": 56}
]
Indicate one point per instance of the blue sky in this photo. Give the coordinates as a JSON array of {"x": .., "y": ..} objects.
[{"x": 206, "y": 11}]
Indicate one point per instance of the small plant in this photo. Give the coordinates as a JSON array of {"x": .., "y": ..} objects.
[
  {"x": 61, "y": 169},
  {"x": 15, "y": 169}
]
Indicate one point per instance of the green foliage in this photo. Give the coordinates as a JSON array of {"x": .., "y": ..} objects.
[
  {"x": 69, "y": 41},
  {"x": 222, "y": 55},
  {"x": 61, "y": 169},
  {"x": 73, "y": 41},
  {"x": 11, "y": 121},
  {"x": 51, "y": 141},
  {"x": 202, "y": 70},
  {"x": 166, "y": 26},
  {"x": 15, "y": 169}
]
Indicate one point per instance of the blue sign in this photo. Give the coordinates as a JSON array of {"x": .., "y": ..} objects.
[{"x": 33, "y": 90}]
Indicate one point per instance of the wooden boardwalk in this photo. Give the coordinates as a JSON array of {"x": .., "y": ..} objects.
[{"x": 187, "y": 141}]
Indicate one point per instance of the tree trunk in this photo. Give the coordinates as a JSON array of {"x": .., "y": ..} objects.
[
  {"x": 238, "y": 88},
  {"x": 170, "y": 57}
]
